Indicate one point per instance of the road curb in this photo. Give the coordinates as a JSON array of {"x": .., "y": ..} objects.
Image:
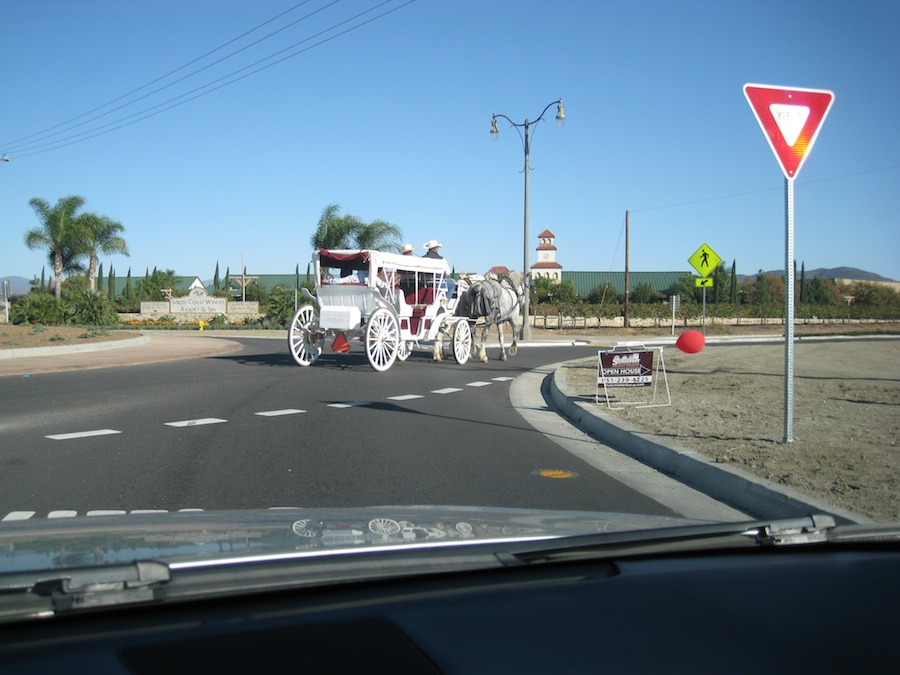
[
  {"x": 69, "y": 349},
  {"x": 728, "y": 484}
]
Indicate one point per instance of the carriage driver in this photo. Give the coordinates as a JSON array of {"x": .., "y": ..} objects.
[{"x": 432, "y": 247}]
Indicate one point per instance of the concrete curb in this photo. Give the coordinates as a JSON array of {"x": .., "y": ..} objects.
[
  {"x": 69, "y": 349},
  {"x": 728, "y": 484}
]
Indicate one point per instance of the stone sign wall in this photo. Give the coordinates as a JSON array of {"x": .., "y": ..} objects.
[{"x": 198, "y": 305}]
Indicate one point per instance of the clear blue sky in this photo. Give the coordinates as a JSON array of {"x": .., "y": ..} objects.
[{"x": 391, "y": 121}]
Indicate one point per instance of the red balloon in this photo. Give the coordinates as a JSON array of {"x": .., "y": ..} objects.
[{"x": 691, "y": 341}]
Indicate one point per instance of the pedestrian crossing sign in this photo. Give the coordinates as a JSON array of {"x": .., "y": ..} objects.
[{"x": 705, "y": 260}]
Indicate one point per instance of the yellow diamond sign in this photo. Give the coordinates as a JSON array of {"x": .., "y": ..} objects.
[{"x": 705, "y": 261}]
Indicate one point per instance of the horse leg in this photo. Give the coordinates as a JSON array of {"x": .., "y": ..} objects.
[
  {"x": 482, "y": 353},
  {"x": 500, "y": 337},
  {"x": 514, "y": 347}
]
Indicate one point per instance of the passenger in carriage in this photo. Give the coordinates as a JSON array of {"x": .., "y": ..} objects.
[{"x": 406, "y": 249}]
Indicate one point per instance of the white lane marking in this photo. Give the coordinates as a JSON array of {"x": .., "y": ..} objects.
[
  {"x": 404, "y": 397},
  {"x": 62, "y": 514},
  {"x": 448, "y": 390},
  {"x": 196, "y": 423},
  {"x": 139, "y": 511},
  {"x": 107, "y": 512},
  {"x": 83, "y": 434},
  {"x": 478, "y": 384},
  {"x": 349, "y": 404},
  {"x": 277, "y": 413},
  {"x": 501, "y": 379},
  {"x": 18, "y": 515}
]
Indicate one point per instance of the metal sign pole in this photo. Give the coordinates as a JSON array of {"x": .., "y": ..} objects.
[{"x": 789, "y": 311}]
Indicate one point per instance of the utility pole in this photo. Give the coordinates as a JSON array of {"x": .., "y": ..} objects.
[{"x": 627, "y": 289}]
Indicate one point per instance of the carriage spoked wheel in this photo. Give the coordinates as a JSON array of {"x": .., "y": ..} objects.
[
  {"x": 382, "y": 339},
  {"x": 462, "y": 341},
  {"x": 405, "y": 350},
  {"x": 305, "y": 340}
]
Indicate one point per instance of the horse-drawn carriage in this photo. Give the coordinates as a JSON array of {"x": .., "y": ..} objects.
[{"x": 390, "y": 302}]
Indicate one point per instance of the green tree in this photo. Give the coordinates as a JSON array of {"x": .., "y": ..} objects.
[
  {"x": 112, "y": 284},
  {"x": 818, "y": 292},
  {"x": 733, "y": 288},
  {"x": 99, "y": 234},
  {"x": 643, "y": 292},
  {"x": 150, "y": 287},
  {"x": 335, "y": 231},
  {"x": 216, "y": 278},
  {"x": 761, "y": 295},
  {"x": 685, "y": 287},
  {"x": 57, "y": 234}
]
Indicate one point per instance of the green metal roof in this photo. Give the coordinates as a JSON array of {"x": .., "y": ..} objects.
[{"x": 585, "y": 282}]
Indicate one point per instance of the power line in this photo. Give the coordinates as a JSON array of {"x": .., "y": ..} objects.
[
  {"x": 198, "y": 92},
  {"x": 158, "y": 79}
]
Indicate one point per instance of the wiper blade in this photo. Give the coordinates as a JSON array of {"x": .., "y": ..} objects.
[
  {"x": 46, "y": 593},
  {"x": 806, "y": 530}
]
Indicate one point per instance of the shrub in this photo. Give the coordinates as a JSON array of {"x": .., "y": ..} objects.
[{"x": 37, "y": 308}]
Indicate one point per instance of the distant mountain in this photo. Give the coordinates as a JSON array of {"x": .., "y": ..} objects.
[
  {"x": 17, "y": 285},
  {"x": 828, "y": 273}
]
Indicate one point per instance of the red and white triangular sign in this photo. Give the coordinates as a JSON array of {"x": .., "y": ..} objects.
[{"x": 790, "y": 119}]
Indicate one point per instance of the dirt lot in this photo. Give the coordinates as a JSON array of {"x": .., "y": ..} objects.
[
  {"x": 728, "y": 403},
  {"x": 23, "y": 337}
]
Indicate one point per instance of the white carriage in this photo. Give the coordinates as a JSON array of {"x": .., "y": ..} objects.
[{"x": 389, "y": 302}]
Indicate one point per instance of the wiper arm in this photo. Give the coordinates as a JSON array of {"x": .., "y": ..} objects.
[
  {"x": 807, "y": 530},
  {"x": 811, "y": 530},
  {"x": 46, "y": 593}
]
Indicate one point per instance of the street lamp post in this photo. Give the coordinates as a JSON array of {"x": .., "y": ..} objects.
[{"x": 526, "y": 144}]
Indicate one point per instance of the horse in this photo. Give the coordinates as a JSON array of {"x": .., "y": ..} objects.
[{"x": 497, "y": 303}]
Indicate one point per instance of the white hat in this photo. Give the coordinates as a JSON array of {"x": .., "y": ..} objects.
[
  {"x": 432, "y": 243},
  {"x": 406, "y": 248}
]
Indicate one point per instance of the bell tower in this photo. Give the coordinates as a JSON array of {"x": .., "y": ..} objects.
[{"x": 546, "y": 265}]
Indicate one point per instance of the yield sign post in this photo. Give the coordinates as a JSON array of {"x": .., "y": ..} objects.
[{"x": 790, "y": 119}]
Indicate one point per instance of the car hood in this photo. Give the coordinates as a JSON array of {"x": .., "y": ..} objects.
[{"x": 183, "y": 537}]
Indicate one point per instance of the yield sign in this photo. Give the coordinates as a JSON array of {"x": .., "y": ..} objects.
[{"x": 790, "y": 119}]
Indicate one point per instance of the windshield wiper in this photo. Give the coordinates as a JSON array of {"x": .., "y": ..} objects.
[
  {"x": 807, "y": 530},
  {"x": 52, "y": 592}
]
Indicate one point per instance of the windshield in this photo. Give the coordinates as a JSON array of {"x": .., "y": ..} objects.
[{"x": 270, "y": 286}]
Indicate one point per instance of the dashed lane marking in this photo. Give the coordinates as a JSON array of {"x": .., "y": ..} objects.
[
  {"x": 349, "y": 404},
  {"x": 82, "y": 434},
  {"x": 278, "y": 413},
  {"x": 196, "y": 423},
  {"x": 448, "y": 390},
  {"x": 62, "y": 514},
  {"x": 501, "y": 379},
  {"x": 18, "y": 515},
  {"x": 478, "y": 384},
  {"x": 404, "y": 397}
]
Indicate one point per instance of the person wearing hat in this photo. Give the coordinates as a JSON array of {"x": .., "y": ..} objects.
[
  {"x": 432, "y": 246},
  {"x": 406, "y": 249}
]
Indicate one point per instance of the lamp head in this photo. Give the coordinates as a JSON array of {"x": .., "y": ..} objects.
[
  {"x": 560, "y": 113},
  {"x": 494, "y": 130}
]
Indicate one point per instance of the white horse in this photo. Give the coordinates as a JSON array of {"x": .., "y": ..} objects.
[{"x": 498, "y": 303}]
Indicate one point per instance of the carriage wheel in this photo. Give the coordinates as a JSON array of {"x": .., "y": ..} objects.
[
  {"x": 405, "y": 350},
  {"x": 384, "y": 526},
  {"x": 302, "y": 529},
  {"x": 305, "y": 341},
  {"x": 462, "y": 341},
  {"x": 382, "y": 339}
]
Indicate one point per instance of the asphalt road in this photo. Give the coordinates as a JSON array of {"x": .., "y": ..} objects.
[{"x": 251, "y": 429}]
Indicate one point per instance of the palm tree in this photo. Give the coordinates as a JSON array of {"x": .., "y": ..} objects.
[
  {"x": 378, "y": 235},
  {"x": 100, "y": 234},
  {"x": 58, "y": 232},
  {"x": 335, "y": 231}
]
